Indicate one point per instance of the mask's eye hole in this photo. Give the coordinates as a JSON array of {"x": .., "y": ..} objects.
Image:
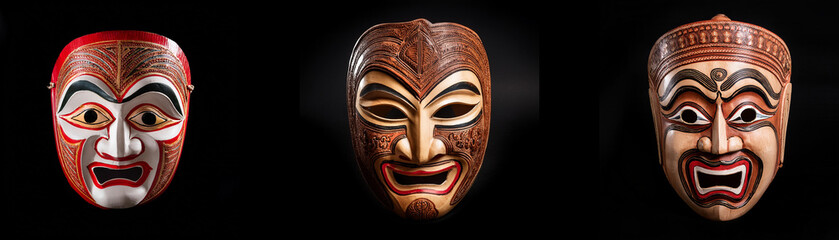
[
  {"x": 89, "y": 116},
  {"x": 748, "y": 114},
  {"x": 147, "y": 117},
  {"x": 386, "y": 111},
  {"x": 690, "y": 116},
  {"x": 453, "y": 110}
]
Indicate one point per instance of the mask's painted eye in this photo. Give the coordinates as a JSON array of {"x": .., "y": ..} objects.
[
  {"x": 386, "y": 111},
  {"x": 453, "y": 110},
  {"x": 748, "y": 114},
  {"x": 90, "y": 116},
  {"x": 690, "y": 116},
  {"x": 147, "y": 117}
]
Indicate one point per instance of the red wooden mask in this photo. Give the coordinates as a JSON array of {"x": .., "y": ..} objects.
[{"x": 120, "y": 101}]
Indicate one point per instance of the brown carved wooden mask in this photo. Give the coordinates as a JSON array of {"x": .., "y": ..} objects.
[
  {"x": 418, "y": 99},
  {"x": 720, "y": 97}
]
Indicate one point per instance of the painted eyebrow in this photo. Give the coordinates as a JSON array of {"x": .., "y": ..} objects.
[
  {"x": 83, "y": 85},
  {"x": 687, "y": 75},
  {"x": 379, "y": 87},
  {"x": 457, "y": 86},
  {"x": 157, "y": 87},
  {"x": 765, "y": 93}
]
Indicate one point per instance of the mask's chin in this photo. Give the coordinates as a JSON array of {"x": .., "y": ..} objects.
[{"x": 119, "y": 196}]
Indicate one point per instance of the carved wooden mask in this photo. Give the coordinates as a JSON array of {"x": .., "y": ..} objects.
[
  {"x": 120, "y": 101},
  {"x": 720, "y": 94},
  {"x": 418, "y": 99}
]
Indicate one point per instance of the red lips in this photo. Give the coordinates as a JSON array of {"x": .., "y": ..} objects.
[
  {"x": 728, "y": 180},
  {"x": 105, "y": 175},
  {"x": 393, "y": 176}
]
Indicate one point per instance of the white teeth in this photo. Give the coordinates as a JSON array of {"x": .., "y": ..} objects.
[{"x": 736, "y": 191}]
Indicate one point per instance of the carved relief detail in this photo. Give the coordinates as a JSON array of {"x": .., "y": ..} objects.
[
  {"x": 421, "y": 209},
  {"x": 466, "y": 141}
]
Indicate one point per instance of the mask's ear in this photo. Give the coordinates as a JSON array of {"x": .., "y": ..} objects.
[
  {"x": 654, "y": 106},
  {"x": 784, "y": 108}
]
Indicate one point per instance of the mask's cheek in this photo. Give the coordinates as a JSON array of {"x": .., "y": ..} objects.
[
  {"x": 71, "y": 152},
  {"x": 677, "y": 143},
  {"x": 86, "y": 158},
  {"x": 164, "y": 161},
  {"x": 763, "y": 142},
  {"x": 78, "y": 161}
]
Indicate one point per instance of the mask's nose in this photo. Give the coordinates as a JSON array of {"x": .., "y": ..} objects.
[
  {"x": 719, "y": 142},
  {"x": 420, "y": 146},
  {"x": 119, "y": 145}
]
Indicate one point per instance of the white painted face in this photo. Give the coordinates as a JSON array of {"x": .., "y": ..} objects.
[{"x": 123, "y": 135}]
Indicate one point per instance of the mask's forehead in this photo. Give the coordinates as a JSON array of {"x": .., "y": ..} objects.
[
  {"x": 120, "y": 64},
  {"x": 419, "y": 54},
  {"x": 120, "y": 59}
]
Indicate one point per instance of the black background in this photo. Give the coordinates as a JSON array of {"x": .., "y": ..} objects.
[
  {"x": 636, "y": 201},
  {"x": 268, "y": 152},
  {"x": 267, "y": 148}
]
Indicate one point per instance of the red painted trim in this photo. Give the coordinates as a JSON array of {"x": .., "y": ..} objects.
[{"x": 114, "y": 182}]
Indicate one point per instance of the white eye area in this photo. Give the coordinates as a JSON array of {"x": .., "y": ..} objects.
[
  {"x": 747, "y": 114},
  {"x": 690, "y": 116}
]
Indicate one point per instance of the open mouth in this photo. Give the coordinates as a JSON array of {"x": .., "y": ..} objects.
[
  {"x": 721, "y": 179},
  {"x": 404, "y": 179},
  {"x": 407, "y": 179},
  {"x": 106, "y": 175}
]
